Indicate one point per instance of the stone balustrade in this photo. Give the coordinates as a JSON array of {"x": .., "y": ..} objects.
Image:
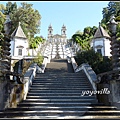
[{"x": 91, "y": 75}]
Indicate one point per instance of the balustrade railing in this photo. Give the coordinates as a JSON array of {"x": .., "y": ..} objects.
[{"x": 107, "y": 76}]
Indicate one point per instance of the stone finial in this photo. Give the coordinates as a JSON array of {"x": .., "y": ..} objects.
[
  {"x": 63, "y": 26},
  {"x": 112, "y": 20},
  {"x": 50, "y": 25},
  {"x": 112, "y": 24},
  {"x": 7, "y": 24},
  {"x": 19, "y": 23},
  {"x": 99, "y": 24},
  {"x": 7, "y": 19}
]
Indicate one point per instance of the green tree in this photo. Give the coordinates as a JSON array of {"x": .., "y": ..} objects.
[
  {"x": 98, "y": 63},
  {"x": 112, "y": 8},
  {"x": 2, "y": 18},
  {"x": 84, "y": 38},
  {"x": 34, "y": 42},
  {"x": 10, "y": 8},
  {"x": 29, "y": 18}
]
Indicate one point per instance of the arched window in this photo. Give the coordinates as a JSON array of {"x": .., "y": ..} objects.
[
  {"x": 20, "y": 50},
  {"x": 99, "y": 48}
]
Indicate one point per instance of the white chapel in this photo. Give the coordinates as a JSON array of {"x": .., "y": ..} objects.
[
  {"x": 101, "y": 42},
  {"x": 19, "y": 43}
]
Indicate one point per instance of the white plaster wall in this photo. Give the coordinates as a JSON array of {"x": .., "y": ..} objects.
[
  {"x": 18, "y": 41},
  {"x": 99, "y": 41},
  {"x": 53, "y": 56},
  {"x": 12, "y": 47},
  {"x": 21, "y": 42},
  {"x": 61, "y": 56},
  {"x": 107, "y": 47},
  {"x": 30, "y": 52}
]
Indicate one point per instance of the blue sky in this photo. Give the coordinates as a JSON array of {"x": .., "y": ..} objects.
[{"x": 75, "y": 15}]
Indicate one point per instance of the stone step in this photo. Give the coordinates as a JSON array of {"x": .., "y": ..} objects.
[
  {"x": 59, "y": 97},
  {"x": 57, "y": 94},
  {"x": 56, "y": 80},
  {"x": 58, "y": 104},
  {"x": 60, "y": 112},
  {"x": 60, "y": 100},
  {"x": 60, "y": 90},
  {"x": 60, "y": 79},
  {"x": 96, "y": 108},
  {"x": 53, "y": 87},
  {"x": 109, "y": 117},
  {"x": 60, "y": 75},
  {"x": 83, "y": 85},
  {"x": 61, "y": 82},
  {"x": 61, "y": 86},
  {"x": 63, "y": 74}
]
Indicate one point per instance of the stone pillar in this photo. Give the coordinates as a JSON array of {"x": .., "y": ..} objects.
[
  {"x": 5, "y": 66},
  {"x": 114, "y": 97},
  {"x": 115, "y": 49}
]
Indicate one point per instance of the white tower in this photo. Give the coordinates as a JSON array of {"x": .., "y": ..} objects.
[
  {"x": 50, "y": 31},
  {"x": 63, "y": 31}
]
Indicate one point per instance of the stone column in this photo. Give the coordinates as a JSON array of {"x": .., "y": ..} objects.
[
  {"x": 5, "y": 65},
  {"x": 114, "y": 96}
]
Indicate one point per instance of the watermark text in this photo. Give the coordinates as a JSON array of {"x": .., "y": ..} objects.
[{"x": 90, "y": 93}]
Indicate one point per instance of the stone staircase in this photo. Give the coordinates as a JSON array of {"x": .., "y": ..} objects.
[
  {"x": 59, "y": 66},
  {"x": 57, "y": 94}
]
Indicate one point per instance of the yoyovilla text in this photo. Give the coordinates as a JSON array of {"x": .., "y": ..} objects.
[{"x": 90, "y": 93}]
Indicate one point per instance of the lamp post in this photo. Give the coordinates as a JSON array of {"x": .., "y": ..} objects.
[{"x": 112, "y": 25}]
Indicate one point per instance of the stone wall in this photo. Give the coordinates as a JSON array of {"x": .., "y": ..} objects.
[
  {"x": 3, "y": 93},
  {"x": 12, "y": 93}
]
